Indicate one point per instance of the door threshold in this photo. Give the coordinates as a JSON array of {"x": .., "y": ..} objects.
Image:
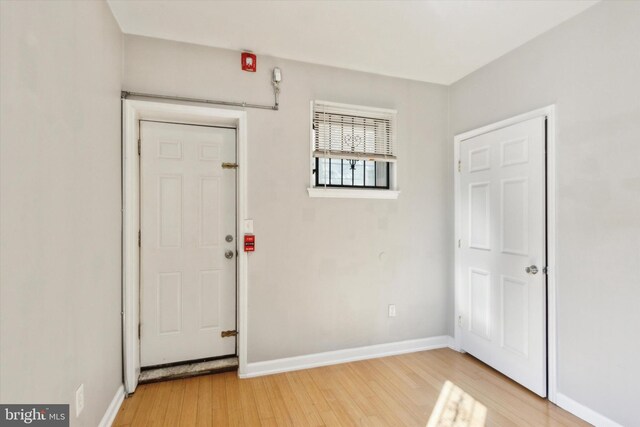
[{"x": 188, "y": 369}]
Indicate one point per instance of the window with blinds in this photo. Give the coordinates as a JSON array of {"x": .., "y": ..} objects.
[
  {"x": 352, "y": 146},
  {"x": 352, "y": 134}
]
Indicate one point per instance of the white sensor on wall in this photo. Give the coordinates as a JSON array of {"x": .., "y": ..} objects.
[{"x": 277, "y": 75}]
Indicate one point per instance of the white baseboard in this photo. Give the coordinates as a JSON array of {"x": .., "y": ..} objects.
[
  {"x": 110, "y": 415},
  {"x": 269, "y": 367},
  {"x": 581, "y": 411},
  {"x": 451, "y": 343}
]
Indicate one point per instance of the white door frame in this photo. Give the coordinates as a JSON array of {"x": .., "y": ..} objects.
[
  {"x": 132, "y": 112},
  {"x": 549, "y": 113}
]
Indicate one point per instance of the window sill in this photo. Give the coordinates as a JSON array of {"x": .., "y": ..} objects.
[{"x": 348, "y": 193}]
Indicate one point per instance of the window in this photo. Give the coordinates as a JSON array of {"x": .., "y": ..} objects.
[
  {"x": 352, "y": 149},
  {"x": 351, "y": 173}
]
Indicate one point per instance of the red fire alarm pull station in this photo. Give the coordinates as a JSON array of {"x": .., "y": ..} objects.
[
  {"x": 249, "y": 243},
  {"x": 249, "y": 62}
]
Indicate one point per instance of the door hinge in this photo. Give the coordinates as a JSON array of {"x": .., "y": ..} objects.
[
  {"x": 545, "y": 270},
  {"x": 460, "y": 320},
  {"x": 139, "y": 238},
  {"x": 225, "y": 334},
  {"x": 459, "y": 165},
  {"x": 139, "y": 146},
  {"x": 459, "y": 243},
  {"x": 226, "y": 165},
  {"x": 139, "y": 330}
]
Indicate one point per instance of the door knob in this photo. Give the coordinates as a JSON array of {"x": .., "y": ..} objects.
[
  {"x": 228, "y": 254},
  {"x": 531, "y": 270}
]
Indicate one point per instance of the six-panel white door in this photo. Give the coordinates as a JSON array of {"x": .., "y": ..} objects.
[
  {"x": 502, "y": 212},
  {"x": 187, "y": 210}
]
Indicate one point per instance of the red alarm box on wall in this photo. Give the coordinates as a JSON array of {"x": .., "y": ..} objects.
[
  {"x": 249, "y": 243},
  {"x": 249, "y": 62}
]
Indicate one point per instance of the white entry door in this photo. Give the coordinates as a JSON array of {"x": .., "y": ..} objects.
[
  {"x": 188, "y": 242},
  {"x": 503, "y": 252}
]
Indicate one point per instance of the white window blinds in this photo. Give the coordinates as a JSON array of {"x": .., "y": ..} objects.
[{"x": 346, "y": 132}]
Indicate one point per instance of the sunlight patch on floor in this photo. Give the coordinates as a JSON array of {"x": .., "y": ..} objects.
[{"x": 455, "y": 408}]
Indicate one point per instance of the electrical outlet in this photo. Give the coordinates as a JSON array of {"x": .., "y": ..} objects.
[
  {"x": 79, "y": 400},
  {"x": 392, "y": 310}
]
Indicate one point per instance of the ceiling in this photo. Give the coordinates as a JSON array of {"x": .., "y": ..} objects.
[{"x": 432, "y": 41}]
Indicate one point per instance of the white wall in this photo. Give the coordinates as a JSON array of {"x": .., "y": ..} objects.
[
  {"x": 60, "y": 68},
  {"x": 590, "y": 68},
  {"x": 317, "y": 281}
]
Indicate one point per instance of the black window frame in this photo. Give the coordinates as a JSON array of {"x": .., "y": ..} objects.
[{"x": 342, "y": 185}]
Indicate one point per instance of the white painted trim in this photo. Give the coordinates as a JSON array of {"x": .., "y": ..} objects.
[
  {"x": 451, "y": 343},
  {"x": 581, "y": 411},
  {"x": 110, "y": 414},
  {"x": 132, "y": 112},
  {"x": 457, "y": 336},
  {"x": 130, "y": 250},
  {"x": 348, "y": 193},
  {"x": 552, "y": 275},
  {"x": 505, "y": 123},
  {"x": 550, "y": 113},
  {"x": 308, "y": 361},
  {"x": 243, "y": 260},
  {"x": 382, "y": 112}
]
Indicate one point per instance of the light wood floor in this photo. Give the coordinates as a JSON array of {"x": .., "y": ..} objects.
[{"x": 397, "y": 390}]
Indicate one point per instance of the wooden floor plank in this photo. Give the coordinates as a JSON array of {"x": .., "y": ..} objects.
[
  {"x": 174, "y": 405},
  {"x": 250, "y": 414},
  {"x": 234, "y": 410},
  {"x": 204, "y": 414},
  {"x": 265, "y": 411},
  {"x": 347, "y": 411},
  {"x": 189, "y": 410},
  {"x": 303, "y": 398},
  {"x": 143, "y": 412},
  {"x": 314, "y": 394},
  {"x": 219, "y": 400},
  {"x": 280, "y": 411},
  {"x": 382, "y": 391},
  {"x": 129, "y": 407},
  {"x": 160, "y": 405},
  {"x": 398, "y": 390},
  {"x": 515, "y": 402},
  {"x": 296, "y": 412},
  {"x": 376, "y": 409}
]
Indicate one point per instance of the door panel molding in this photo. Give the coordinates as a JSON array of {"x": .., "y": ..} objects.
[
  {"x": 548, "y": 112},
  {"x": 509, "y": 207},
  {"x": 134, "y": 110},
  {"x": 187, "y": 207}
]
